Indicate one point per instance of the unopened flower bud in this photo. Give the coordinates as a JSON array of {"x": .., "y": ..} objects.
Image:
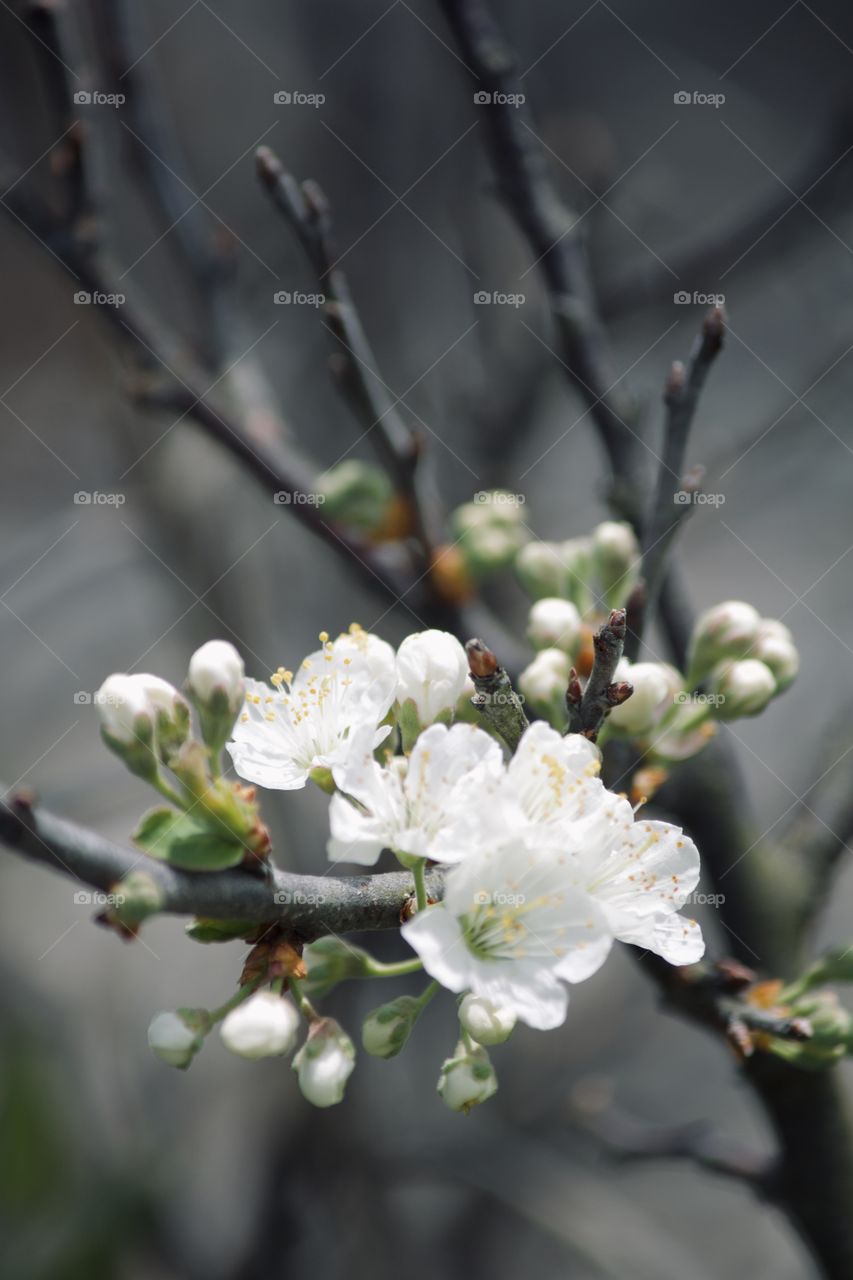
[
  {"x": 431, "y": 672},
  {"x": 175, "y": 1037},
  {"x": 485, "y": 1022},
  {"x": 774, "y": 646},
  {"x": 576, "y": 554},
  {"x": 264, "y": 1026},
  {"x": 171, "y": 713},
  {"x": 489, "y": 531},
  {"x": 541, "y": 570},
  {"x": 725, "y": 631},
  {"x": 655, "y": 685},
  {"x": 216, "y": 685},
  {"x": 467, "y": 1079},
  {"x": 544, "y": 684},
  {"x": 325, "y": 1063},
  {"x": 356, "y": 493},
  {"x": 616, "y": 560},
  {"x": 554, "y": 624},
  {"x": 742, "y": 688},
  {"x": 127, "y": 722},
  {"x": 386, "y": 1030}
]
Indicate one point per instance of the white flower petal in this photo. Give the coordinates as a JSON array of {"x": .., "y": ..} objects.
[{"x": 674, "y": 937}]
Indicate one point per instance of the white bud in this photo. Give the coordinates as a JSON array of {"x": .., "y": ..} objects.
[
  {"x": 431, "y": 671},
  {"x": 616, "y": 558},
  {"x": 467, "y": 1079},
  {"x": 325, "y": 1063},
  {"x": 655, "y": 685},
  {"x": 774, "y": 646},
  {"x": 554, "y": 623},
  {"x": 172, "y": 1039},
  {"x": 725, "y": 631},
  {"x": 542, "y": 569},
  {"x": 217, "y": 666},
  {"x": 746, "y": 687},
  {"x": 264, "y": 1026},
  {"x": 485, "y": 1022},
  {"x": 544, "y": 682},
  {"x": 125, "y": 707},
  {"x": 385, "y": 1030}
]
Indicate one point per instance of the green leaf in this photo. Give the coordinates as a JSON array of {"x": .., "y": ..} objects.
[
  {"x": 175, "y": 838},
  {"x": 203, "y": 929}
]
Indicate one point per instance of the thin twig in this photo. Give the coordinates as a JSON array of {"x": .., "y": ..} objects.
[{"x": 587, "y": 713}]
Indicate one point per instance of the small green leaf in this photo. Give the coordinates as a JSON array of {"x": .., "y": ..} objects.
[
  {"x": 205, "y": 930},
  {"x": 175, "y": 838}
]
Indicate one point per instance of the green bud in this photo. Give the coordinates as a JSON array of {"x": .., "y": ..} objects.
[
  {"x": 356, "y": 493},
  {"x": 742, "y": 688},
  {"x": 137, "y": 896},
  {"x": 727, "y": 630},
  {"x": 386, "y": 1030},
  {"x": 330, "y": 961},
  {"x": 541, "y": 570},
  {"x": 615, "y": 561}
]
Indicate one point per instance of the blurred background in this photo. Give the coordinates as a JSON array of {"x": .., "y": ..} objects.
[{"x": 111, "y": 1165}]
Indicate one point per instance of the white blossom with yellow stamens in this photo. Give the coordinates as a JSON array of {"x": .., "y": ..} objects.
[
  {"x": 309, "y": 721},
  {"x": 426, "y": 806},
  {"x": 567, "y": 871}
]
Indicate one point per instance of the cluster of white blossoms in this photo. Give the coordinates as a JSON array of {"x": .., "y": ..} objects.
[{"x": 546, "y": 867}]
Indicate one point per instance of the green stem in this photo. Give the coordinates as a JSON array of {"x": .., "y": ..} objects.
[
  {"x": 427, "y": 994},
  {"x": 241, "y": 994},
  {"x": 168, "y": 792},
  {"x": 419, "y": 873},
  {"x": 306, "y": 1008},
  {"x": 397, "y": 969}
]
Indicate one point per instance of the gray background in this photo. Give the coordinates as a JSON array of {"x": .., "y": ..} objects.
[{"x": 121, "y": 1167}]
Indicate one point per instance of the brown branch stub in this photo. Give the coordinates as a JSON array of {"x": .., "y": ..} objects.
[
  {"x": 602, "y": 693},
  {"x": 495, "y": 699}
]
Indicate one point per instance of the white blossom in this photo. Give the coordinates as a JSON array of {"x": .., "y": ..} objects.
[
  {"x": 466, "y": 1079},
  {"x": 774, "y": 646},
  {"x": 172, "y": 1039},
  {"x": 264, "y": 1026},
  {"x": 299, "y": 723},
  {"x": 554, "y": 623},
  {"x": 217, "y": 666},
  {"x": 423, "y": 806},
  {"x": 431, "y": 671},
  {"x": 744, "y": 687},
  {"x": 325, "y": 1063},
  {"x": 485, "y": 1022},
  {"x": 125, "y": 706},
  {"x": 655, "y": 685},
  {"x": 564, "y": 871}
]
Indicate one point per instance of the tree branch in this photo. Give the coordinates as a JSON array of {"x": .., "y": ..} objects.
[
  {"x": 588, "y": 711},
  {"x": 496, "y": 700},
  {"x": 310, "y": 906}
]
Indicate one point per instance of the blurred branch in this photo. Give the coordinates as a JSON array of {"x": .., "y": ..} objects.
[
  {"x": 667, "y": 512},
  {"x": 552, "y": 232},
  {"x": 628, "y": 1139},
  {"x": 310, "y": 906}
]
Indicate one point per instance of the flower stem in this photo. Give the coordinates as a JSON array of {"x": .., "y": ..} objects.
[
  {"x": 306, "y": 1008},
  {"x": 427, "y": 994},
  {"x": 419, "y": 873},
  {"x": 241, "y": 994},
  {"x": 168, "y": 792},
  {"x": 397, "y": 969}
]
